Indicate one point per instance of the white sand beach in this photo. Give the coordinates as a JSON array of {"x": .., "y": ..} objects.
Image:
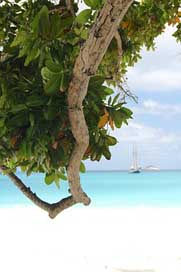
[{"x": 91, "y": 240}]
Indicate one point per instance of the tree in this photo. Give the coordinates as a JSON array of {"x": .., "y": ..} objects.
[{"x": 58, "y": 68}]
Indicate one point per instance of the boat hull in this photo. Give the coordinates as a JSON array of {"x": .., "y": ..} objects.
[{"x": 135, "y": 171}]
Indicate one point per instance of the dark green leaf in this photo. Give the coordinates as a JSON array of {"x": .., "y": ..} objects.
[
  {"x": 96, "y": 82},
  {"x": 53, "y": 84},
  {"x": 111, "y": 140},
  {"x": 19, "y": 107},
  {"x": 115, "y": 99},
  {"x": 107, "y": 153},
  {"x": 53, "y": 67},
  {"x": 117, "y": 118}
]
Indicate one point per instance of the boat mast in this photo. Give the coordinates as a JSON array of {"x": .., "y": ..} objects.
[{"x": 135, "y": 157}]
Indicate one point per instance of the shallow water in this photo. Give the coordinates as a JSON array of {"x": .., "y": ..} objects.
[{"x": 106, "y": 189}]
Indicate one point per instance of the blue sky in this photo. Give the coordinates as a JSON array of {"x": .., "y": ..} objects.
[{"x": 156, "y": 80}]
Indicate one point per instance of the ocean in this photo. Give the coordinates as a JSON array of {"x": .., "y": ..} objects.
[{"x": 106, "y": 189}]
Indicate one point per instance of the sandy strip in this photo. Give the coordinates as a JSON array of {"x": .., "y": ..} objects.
[{"x": 91, "y": 240}]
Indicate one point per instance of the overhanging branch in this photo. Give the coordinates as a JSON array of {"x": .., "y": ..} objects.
[{"x": 52, "y": 209}]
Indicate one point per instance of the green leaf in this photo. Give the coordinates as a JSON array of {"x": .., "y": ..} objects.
[
  {"x": 2, "y": 122},
  {"x": 44, "y": 23},
  {"x": 84, "y": 34},
  {"x": 109, "y": 100},
  {"x": 57, "y": 182},
  {"x": 57, "y": 156},
  {"x": 108, "y": 91},
  {"x": 46, "y": 73},
  {"x": 118, "y": 106},
  {"x": 115, "y": 99},
  {"x": 94, "y": 4},
  {"x": 61, "y": 176},
  {"x": 83, "y": 16},
  {"x": 51, "y": 112},
  {"x": 49, "y": 178},
  {"x": 33, "y": 53},
  {"x": 97, "y": 136},
  {"x": 53, "y": 84},
  {"x": 117, "y": 118},
  {"x": 3, "y": 130},
  {"x": 107, "y": 153},
  {"x": 19, "y": 107},
  {"x": 2, "y": 35},
  {"x": 20, "y": 38},
  {"x": 55, "y": 26},
  {"x": 53, "y": 67},
  {"x": 26, "y": 48},
  {"x": 66, "y": 23},
  {"x": 110, "y": 140},
  {"x": 32, "y": 119},
  {"x": 96, "y": 82},
  {"x": 41, "y": 23},
  {"x": 127, "y": 111},
  {"x": 82, "y": 168},
  {"x": 25, "y": 149},
  {"x": 36, "y": 101},
  {"x": 19, "y": 120}
]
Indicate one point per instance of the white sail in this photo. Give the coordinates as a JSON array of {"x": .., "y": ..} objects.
[{"x": 135, "y": 167}]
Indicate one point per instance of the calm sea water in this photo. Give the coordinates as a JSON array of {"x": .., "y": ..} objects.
[{"x": 106, "y": 189}]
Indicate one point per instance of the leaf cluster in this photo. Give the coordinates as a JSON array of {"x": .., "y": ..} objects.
[{"x": 39, "y": 42}]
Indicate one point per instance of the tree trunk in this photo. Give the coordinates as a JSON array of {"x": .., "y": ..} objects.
[{"x": 86, "y": 65}]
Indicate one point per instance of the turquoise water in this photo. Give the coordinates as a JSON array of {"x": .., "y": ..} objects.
[{"x": 106, "y": 189}]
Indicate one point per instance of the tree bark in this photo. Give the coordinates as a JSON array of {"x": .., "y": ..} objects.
[
  {"x": 119, "y": 45},
  {"x": 85, "y": 66},
  {"x": 70, "y": 7},
  {"x": 53, "y": 209}
]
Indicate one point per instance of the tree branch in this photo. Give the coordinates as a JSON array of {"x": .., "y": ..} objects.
[
  {"x": 58, "y": 9},
  {"x": 119, "y": 45},
  {"x": 70, "y": 7},
  {"x": 52, "y": 209},
  {"x": 85, "y": 66}
]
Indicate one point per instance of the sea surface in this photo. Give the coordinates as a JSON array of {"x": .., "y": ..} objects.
[{"x": 106, "y": 189}]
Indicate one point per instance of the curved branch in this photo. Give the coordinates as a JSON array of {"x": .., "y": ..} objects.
[
  {"x": 119, "y": 46},
  {"x": 61, "y": 205},
  {"x": 70, "y": 7},
  {"x": 85, "y": 66},
  {"x": 52, "y": 209}
]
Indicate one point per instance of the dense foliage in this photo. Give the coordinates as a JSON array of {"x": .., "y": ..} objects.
[{"x": 39, "y": 42}]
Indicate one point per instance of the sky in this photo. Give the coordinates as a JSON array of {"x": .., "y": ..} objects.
[{"x": 155, "y": 128}]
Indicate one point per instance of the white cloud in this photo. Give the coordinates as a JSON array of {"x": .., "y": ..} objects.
[
  {"x": 159, "y": 70},
  {"x": 155, "y": 108},
  {"x": 143, "y": 134},
  {"x": 156, "y": 80}
]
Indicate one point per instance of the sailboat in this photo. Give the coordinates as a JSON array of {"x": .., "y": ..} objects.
[{"x": 135, "y": 169}]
